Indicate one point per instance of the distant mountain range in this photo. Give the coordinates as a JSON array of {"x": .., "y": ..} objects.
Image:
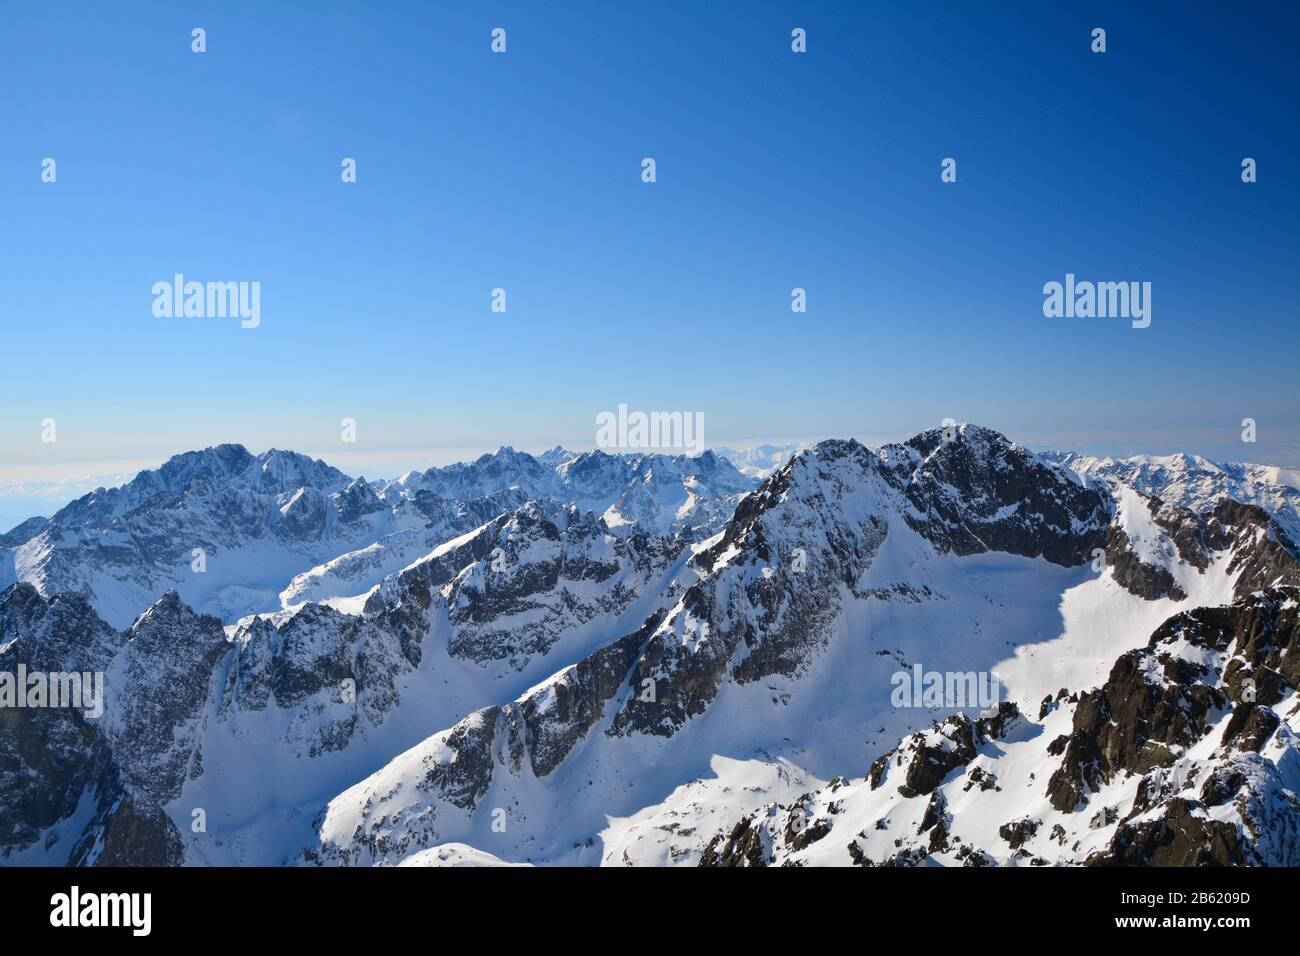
[
  {"x": 280, "y": 528},
  {"x": 663, "y": 660}
]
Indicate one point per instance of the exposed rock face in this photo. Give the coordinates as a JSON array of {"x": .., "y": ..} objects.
[
  {"x": 970, "y": 493},
  {"x": 750, "y": 842},
  {"x": 599, "y": 642},
  {"x": 164, "y": 677},
  {"x": 403, "y": 602},
  {"x": 975, "y": 492},
  {"x": 1264, "y": 554},
  {"x": 423, "y": 523},
  {"x": 544, "y": 577},
  {"x": 1182, "y": 537},
  {"x": 1129, "y": 724},
  {"x": 48, "y": 756},
  {"x": 122, "y": 834},
  {"x": 1261, "y": 551},
  {"x": 165, "y": 680},
  {"x": 175, "y": 678},
  {"x": 516, "y": 585},
  {"x": 769, "y": 624},
  {"x": 448, "y": 775},
  {"x": 1249, "y": 654},
  {"x": 1018, "y": 831},
  {"x": 781, "y": 835},
  {"x": 126, "y": 763},
  {"x": 1202, "y": 776},
  {"x": 1159, "y": 700},
  {"x": 1149, "y": 581},
  {"x": 330, "y": 673},
  {"x": 771, "y": 588},
  {"x": 1185, "y": 529},
  {"x": 558, "y": 717},
  {"x": 1250, "y": 726},
  {"x": 1178, "y": 837},
  {"x": 936, "y": 755},
  {"x": 451, "y": 770},
  {"x": 744, "y": 846}
]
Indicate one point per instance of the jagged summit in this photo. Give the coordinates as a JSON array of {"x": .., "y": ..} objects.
[
  {"x": 1197, "y": 483},
  {"x": 220, "y": 466},
  {"x": 658, "y": 659},
  {"x": 237, "y": 533}
]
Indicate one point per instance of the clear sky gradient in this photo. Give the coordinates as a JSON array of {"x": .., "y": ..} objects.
[{"x": 522, "y": 171}]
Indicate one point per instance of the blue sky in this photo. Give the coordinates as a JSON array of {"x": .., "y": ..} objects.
[{"x": 522, "y": 171}]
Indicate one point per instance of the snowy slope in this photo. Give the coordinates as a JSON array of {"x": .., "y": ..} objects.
[
  {"x": 758, "y": 662},
  {"x": 1170, "y": 762},
  {"x": 557, "y": 684}
]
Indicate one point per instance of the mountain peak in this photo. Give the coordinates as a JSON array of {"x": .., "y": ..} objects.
[{"x": 290, "y": 470}]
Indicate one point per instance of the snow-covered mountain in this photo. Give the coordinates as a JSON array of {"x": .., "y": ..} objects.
[
  {"x": 588, "y": 666},
  {"x": 221, "y": 526},
  {"x": 657, "y": 493},
  {"x": 236, "y": 534},
  {"x": 1198, "y": 484}
]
